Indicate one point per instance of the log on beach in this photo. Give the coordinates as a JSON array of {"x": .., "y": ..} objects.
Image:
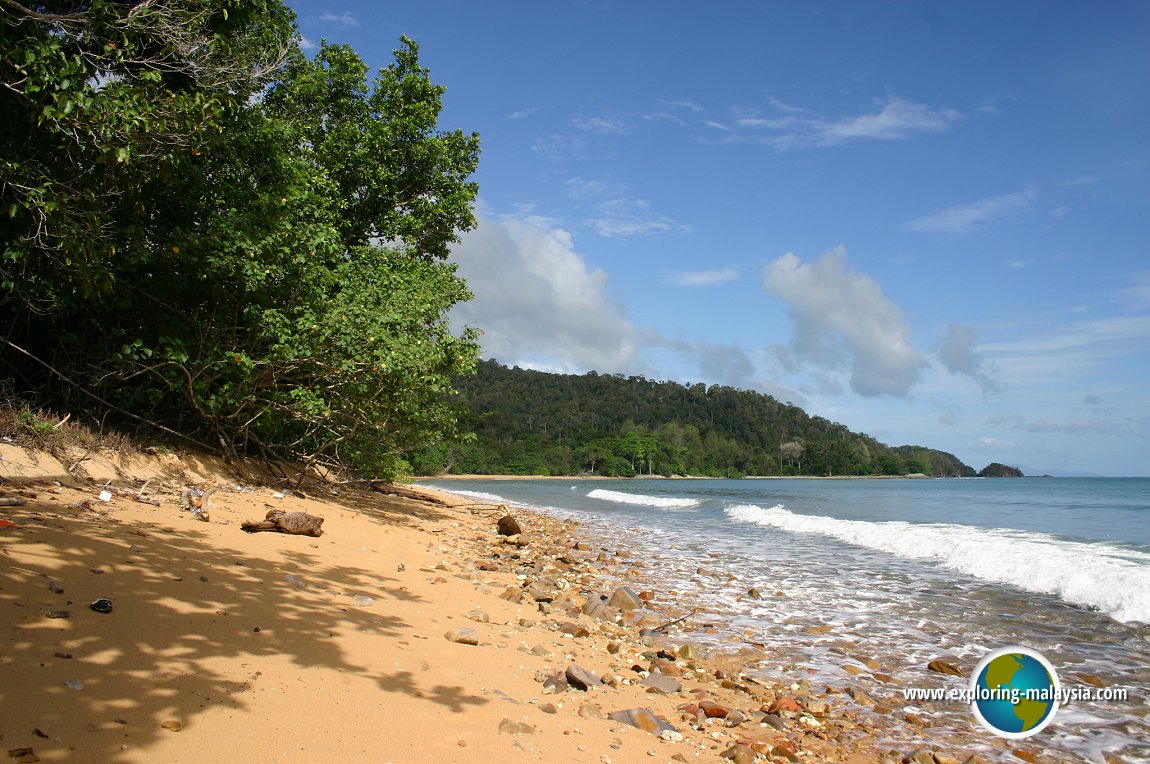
[{"x": 296, "y": 523}]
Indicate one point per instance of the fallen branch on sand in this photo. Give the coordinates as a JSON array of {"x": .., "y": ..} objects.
[{"x": 668, "y": 624}]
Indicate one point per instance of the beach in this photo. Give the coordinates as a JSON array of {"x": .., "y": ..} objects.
[{"x": 410, "y": 631}]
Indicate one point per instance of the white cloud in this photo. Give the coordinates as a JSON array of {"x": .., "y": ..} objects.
[
  {"x": 718, "y": 363},
  {"x": 558, "y": 147},
  {"x": 307, "y": 45},
  {"x": 603, "y": 125},
  {"x": 625, "y": 218},
  {"x": 841, "y": 317},
  {"x": 965, "y": 218},
  {"x": 684, "y": 104},
  {"x": 898, "y": 118},
  {"x": 956, "y": 351},
  {"x": 343, "y": 19},
  {"x": 994, "y": 443},
  {"x": 537, "y": 302},
  {"x": 703, "y": 278},
  {"x": 794, "y": 127},
  {"x": 1049, "y": 425}
]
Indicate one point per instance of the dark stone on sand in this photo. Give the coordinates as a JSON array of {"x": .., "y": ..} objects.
[
  {"x": 920, "y": 756},
  {"x": 660, "y": 682},
  {"x": 599, "y": 611},
  {"x": 580, "y": 678},
  {"x": 784, "y": 704},
  {"x": 508, "y": 526},
  {"x": 464, "y": 636},
  {"x": 740, "y": 754},
  {"x": 512, "y": 594},
  {"x": 574, "y": 629},
  {"x": 642, "y": 718},
  {"x": 774, "y": 720},
  {"x": 735, "y": 718},
  {"x": 625, "y": 598},
  {"x": 713, "y": 710}
]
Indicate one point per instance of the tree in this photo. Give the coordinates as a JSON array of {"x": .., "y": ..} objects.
[
  {"x": 285, "y": 291},
  {"x": 792, "y": 453},
  {"x": 97, "y": 97}
]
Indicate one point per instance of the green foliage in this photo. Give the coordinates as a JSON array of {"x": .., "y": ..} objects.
[
  {"x": 997, "y": 469},
  {"x": 99, "y": 97},
  {"x": 623, "y": 427},
  {"x": 279, "y": 287}
]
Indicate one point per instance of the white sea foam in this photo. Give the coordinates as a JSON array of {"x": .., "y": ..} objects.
[
  {"x": 477, "y": 495},
  {"x": 1115, "y": 580},
  {"x": 664, "y": 502}
]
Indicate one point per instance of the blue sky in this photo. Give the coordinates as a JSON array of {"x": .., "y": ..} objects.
[{"x": 925, "y": 220}]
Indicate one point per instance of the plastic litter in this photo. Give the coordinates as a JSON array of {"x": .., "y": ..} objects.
[
  {"x": 102, "y": 605},
  {"x": 75, "y": 684},
  {"x": 295, "y": 581},
  {"x": 105, "y": 495},
  {"x": 361, "y": 600}
]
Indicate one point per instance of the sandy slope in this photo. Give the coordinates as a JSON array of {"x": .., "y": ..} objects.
[{"x": 227, "y": 646}]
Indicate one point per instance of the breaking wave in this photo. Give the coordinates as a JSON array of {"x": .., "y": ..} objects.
[
  {"x": 1097, "y": 575},
  {"x": 646, "y": 501}
]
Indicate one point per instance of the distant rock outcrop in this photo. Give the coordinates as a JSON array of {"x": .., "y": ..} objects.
[{"x": 1000, "y": 470}]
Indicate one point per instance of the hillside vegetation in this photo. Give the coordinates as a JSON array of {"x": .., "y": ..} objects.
[{"x": 534, "y": 423}]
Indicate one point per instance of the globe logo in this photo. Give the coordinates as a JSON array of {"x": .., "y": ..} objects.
[{"x": 1015, "y": 692}]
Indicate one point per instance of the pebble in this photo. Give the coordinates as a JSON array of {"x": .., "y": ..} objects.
[
  {"x": 740, "y": 754},
  {"x": 642, "y": 718},
  {"x": 464, "y": 636},
  {"x": 625, "y": 599},
  {"x": 945, "y": 667},
  {"x": 580, "y": 678},
  {"x": 508, "y": 727},
  {"x": 784, "y": 704},
  {"x": 1091, "y": 680},
  {"x": 591, "y": 711},
  {"x": 660, "y": 682}
]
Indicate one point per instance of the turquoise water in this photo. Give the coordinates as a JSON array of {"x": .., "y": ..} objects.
[{"x": 905, "y": 571}]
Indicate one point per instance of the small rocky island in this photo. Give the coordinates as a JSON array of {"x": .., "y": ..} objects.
[{"x": 1000, "y": 470}]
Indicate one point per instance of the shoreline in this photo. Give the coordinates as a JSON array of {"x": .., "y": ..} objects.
[
  {"x": 422, "y": 478},
  {"x": 412, "y": 631}
]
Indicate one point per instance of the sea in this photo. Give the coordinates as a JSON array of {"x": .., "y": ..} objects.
[{"x": 887, "y": 575}]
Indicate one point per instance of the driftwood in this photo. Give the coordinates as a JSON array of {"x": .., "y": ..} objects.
[
  {"x": 661, "y": 628},
  {"x": 407, "y": 493},
  {"x": 297, "y": 523}
]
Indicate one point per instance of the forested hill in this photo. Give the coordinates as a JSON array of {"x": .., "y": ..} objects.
[{"x": 531, "y": 422}]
